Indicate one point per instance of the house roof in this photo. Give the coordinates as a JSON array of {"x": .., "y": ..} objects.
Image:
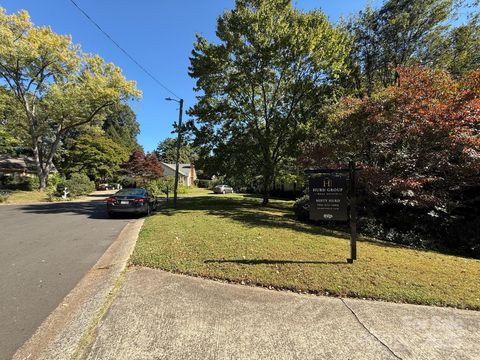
[
  {"x": 20, "y": 164},
  {"x": 183, "y": 169},
  {"x": 24, "y": 163}
]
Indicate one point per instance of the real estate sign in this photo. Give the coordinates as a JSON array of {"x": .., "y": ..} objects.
[{"x": 328, "y": 197}]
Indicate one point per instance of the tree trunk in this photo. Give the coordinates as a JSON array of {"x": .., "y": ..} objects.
[
  {"x": 43, "y": 178},
  {"x": 267, "y": 181},
  {"x": 265, "y": 197}
]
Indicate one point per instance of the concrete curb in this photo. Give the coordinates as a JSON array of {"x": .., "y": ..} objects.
[{"x": 58, "y": 337}]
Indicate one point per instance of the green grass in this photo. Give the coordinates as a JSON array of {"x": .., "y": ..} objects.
[
  {"x": 196, "y": 192},
  {"x": 232, "y": 238},
  {"x": 22, "y": 197}
]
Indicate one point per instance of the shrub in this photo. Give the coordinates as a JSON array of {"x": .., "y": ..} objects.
[
  {"x": 54, "y": 180},
  {"x": 33, "y": 183},
  {"x": 182, "y": 189},
  {"x": 4, "y": 195},
  {"x": 301, "y": 208},
  {"x": 203, "y": 183},
  {"x": 157, "y": 187},
  {"x": 16, "y": 182},
  {"x": 79, "y": 184}
]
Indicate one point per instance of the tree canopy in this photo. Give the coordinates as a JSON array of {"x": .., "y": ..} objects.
[
  {"x": 57, "y": 87},
  {"x": 95, "y": 155},
  {"x": 122, "y": 127},
  {"x": 167, "y": 152},
  {"x": 144, "y": 167},
  {"x": 398, "y": 33},
  {"x": 262, "y": 80}
]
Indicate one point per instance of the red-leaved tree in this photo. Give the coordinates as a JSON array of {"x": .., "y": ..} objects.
[
  {"x": 418, "y": 142},
  {"x": 144, "y": 167}
]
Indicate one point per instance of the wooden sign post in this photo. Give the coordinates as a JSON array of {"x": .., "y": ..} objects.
[{"x": 333, "y": 198}]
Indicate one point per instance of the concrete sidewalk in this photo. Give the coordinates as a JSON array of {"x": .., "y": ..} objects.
[{"x": 158, "y": 315}]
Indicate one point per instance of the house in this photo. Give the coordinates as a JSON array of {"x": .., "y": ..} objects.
[
  {"x": 186, "y": 173},
  {"x": 17, "y": 166}
]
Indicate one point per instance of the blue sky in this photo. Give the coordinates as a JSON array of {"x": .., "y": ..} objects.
[{"x": 159, "y": 35}]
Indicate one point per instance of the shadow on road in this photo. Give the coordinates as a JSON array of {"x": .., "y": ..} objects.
[{"x": 95, "y": 209}]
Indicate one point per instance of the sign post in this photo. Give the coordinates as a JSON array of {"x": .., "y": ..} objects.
[
  {"x": 353, "y": 213},
  {"x": 333, "y": 198}
]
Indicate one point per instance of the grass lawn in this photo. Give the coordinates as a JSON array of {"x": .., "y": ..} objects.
[
  {"x": 232, "y": 238},
  {"x": 22, "y": 197},
  {"x": 196, "y": 192}
]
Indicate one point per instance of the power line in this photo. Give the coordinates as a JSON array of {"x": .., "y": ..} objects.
[{"x": 123, "y": 50}]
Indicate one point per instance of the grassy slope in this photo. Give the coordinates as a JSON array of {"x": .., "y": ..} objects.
[{"x": 232, "y": 238}]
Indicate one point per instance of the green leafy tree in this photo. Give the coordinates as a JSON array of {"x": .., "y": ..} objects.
[
  {"x": 457, "y": 51},
  {"x": 167, "y": 152},
  {"x": 9, "y": 142},
  {"x": 97, "y": 156},
  {"x": 399, "y": 33},
  {"x": 259, "y": 81},
  {"x": 58, "y": 87},
  {"x": 121, "y": 126}
]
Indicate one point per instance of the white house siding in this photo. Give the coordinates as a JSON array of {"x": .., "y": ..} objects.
[{"x": 186, "y": 173}]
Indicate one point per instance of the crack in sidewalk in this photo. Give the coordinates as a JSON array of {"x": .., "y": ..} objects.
[{"x": 372, "y": 334}]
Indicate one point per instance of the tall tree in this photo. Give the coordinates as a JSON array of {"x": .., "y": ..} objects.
[
  {"x": 58, "y": 87},
  {"x": 95, "y": 155},
  {"x": 399, "y": 33},
  {"x": 456, "y": 51},
  {"x": 121, "y": 126},
  {"x": 167, "y": 152},
  {"x": 259, "y": 81}
]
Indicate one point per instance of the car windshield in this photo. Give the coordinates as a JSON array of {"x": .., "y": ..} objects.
[{"x": 131, "y": 192}]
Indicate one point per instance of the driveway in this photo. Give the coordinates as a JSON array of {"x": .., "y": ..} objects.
[{"x": 45, "y": 249}]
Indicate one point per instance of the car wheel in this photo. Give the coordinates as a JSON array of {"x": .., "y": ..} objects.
[
  {"x": 223, "y": 192},
  {"x": 149, "y": 210},
  {"x": 111, "y": 215}
]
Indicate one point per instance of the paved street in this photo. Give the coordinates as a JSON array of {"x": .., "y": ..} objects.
[{"x": 45, "y": 249}]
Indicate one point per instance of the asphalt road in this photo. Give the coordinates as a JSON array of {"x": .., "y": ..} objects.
[{"x": 45, "y": 249}]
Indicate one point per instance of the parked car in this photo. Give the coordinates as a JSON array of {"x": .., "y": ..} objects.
[
  {"x": 131, "y": 201},
  {"x": 223, "y": 189},
  {"x": 102, "y": 187}
]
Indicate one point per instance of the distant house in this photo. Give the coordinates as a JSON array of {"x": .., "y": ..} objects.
[
  {"x": 186, "y": 173},
  {"x": 17, "y": 166}
]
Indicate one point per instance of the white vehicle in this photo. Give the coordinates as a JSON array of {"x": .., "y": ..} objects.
[{"x": 223, "y": 189}]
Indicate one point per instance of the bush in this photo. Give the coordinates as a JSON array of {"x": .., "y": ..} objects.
[
  {"x": 182, "y": 189},
  {"x": 33, "y": 183},
  {"x": 4, "y": 195},
  {"x": 157, "y": 187},
  {"x": 24, "y": 183},
  {"x": 79, "y": 184},
  {"x": 54, "y": 180},
  {"x": 301, "y": 208},
  {"x": 203, "y": 183}
]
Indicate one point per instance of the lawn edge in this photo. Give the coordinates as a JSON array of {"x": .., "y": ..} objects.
[{"x": 326, "y": 293}]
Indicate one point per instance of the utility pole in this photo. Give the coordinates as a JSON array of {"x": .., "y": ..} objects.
[
  {"x": 177, "y": 157},
  {"x": 179, "y": 144}
]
